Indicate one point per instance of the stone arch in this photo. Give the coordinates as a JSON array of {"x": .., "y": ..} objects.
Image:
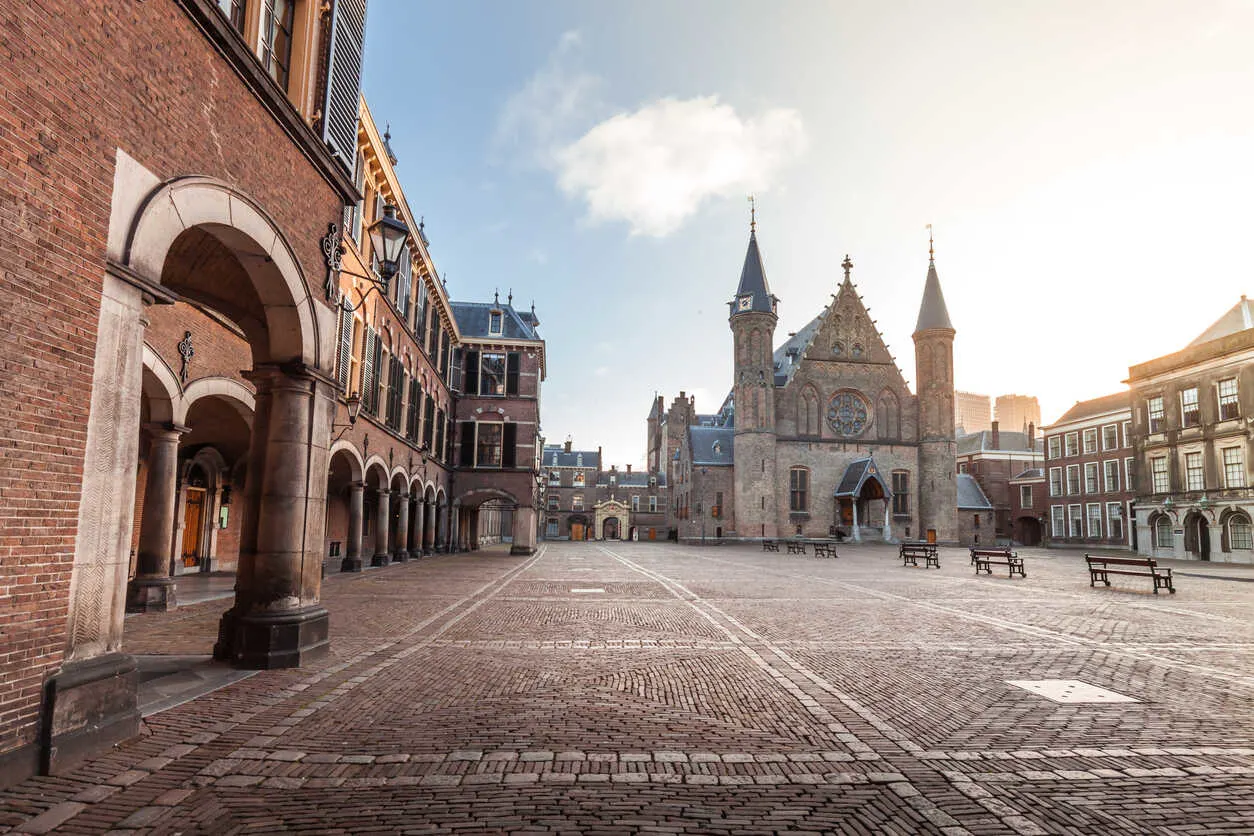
[
  {"x": 160, "y": 386},
  {"x": 1230, "y": 518},
  {"x": 376, "y": 464},
  {"x": 234, "y": 392},
  {"x": 356, "y": 464},
  {"x": 288, "y": 328}
]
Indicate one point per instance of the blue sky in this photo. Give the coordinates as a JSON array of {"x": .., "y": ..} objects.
[{"x": 1086, "y": 165}]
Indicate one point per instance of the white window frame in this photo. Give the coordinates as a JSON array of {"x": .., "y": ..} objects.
[
  {"x": 1127, "y": 433},
  {"x": 1108, "y": 484},
  {"x": 1113, "y": 446},
  {"x": 1075, "y": 519},
  {"x": 1234, "y": 399},
  {"x": 1228, "y": 466},
  {"x": 1089, "y": 440},
  {"x": 1162, "y": 485},
  {"x": 1071, "y": 444},
  {"x": 1114, "y": 511},
  {"x": 1074, "y": 485},
  {"x": 1194, "y": 470},
  {"x": 499, "y": 316},
  {"x": 1025, "y": 496},
  {"x": 1055, "y": 447},
  {"x": 1127, "y": 473},
  {"x": 1058, "y": 521},
  {"x": 653, "y": 504},
  {"x": 1155, "y": 410},
  {"x": 1092, "y": 518},
  {"x": 635, "y": 503},
  {"x": 1196, "y": 411},
  {"x": 1060, "y": 484},
  {"x": 1092, "y": 478}
]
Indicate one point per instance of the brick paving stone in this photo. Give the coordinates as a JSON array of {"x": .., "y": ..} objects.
[{"x": 706, "y": 691}]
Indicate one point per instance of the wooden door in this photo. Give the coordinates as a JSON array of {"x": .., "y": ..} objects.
[
  {"x": 193, "y": 520},
  {"x": 576, "y": 531}
]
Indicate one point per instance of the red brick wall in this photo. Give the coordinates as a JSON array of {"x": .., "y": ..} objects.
[
  {"x": 79, "y": 80},
  {"x": 218, "y": 351}
]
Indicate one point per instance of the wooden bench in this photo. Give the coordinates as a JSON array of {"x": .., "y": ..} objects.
[
  {"x": 983, "y": 560},
  {"x": 1145, "y": 567},
  {"x": 825, "y": 550},
  {"x": 770, "y": 546},
  {"x": 911, "y": 552},
  {"x": 796, "y": 547}
]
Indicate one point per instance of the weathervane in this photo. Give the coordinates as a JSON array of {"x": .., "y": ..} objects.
[
  {"x": 931, "y": 256},
  {"x": 753, "y": 213}
]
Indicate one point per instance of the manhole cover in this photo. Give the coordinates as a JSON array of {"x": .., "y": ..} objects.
[
  {"x": 597, "y": 589},
  {"x": 1069, "y": 691}
]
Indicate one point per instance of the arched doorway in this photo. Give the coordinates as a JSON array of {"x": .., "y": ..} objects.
[
  {"x": 1197, "y": 535},
  {"x": 345, "y": 508},
  {"x": 1028, "y": 531},
  {"x": 609, "y": 529}
]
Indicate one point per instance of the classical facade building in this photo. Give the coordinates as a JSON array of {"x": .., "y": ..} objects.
[
  {"x": 1089, "y": 467},
  {"x": 821, "y": 435},
  {"x": 570, "y": 491},
  {"x": 993, "y": 458},
  {"x": 581, "y": 498},
  {"x": 1191, "y": 415},
  {"x": 227, "y": 349}
]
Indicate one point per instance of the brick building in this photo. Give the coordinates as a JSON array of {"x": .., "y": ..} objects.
[
  {"x": 993, "y": 458},
  {"x": 1089, "y": 468},
  {"x": 581, "y": 498},
  {"x": 195, "y": 312},
  {"x": 1190, "y": 417},
  {"x": 821, "y": 434},
  {"x": 1029, "y": 506}
]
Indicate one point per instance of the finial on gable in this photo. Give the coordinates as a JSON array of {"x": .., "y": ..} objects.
[
  {"x": 931, "y": 254},
  {"x": 496, "y": 297},
  {"x": 848, "y": 265},
  {"x": 753, "y": 213}
]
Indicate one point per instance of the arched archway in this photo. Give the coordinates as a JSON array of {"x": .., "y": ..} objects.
[
  {"x": 1028, "y": 530},
  {"x": 1197, "y": 534},
  {"x": 345, "y": 506}
]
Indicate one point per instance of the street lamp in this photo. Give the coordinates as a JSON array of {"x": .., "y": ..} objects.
[
  {"x": 353, "y": 402},
  {"x": 387, "y": 239}
]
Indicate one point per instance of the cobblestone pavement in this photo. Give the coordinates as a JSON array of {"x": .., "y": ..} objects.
[{"x": 640, "y": 687}]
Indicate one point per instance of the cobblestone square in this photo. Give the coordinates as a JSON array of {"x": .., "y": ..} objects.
[{"x": 703, "y": 690}]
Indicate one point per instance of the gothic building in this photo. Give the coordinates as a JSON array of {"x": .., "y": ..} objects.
[{"x": 821, "y": 435}]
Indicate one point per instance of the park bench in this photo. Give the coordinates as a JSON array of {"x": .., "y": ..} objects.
[
  {"x": 796, "y": 547},
  {"x": 1145, "y": 567},
  {"x": 983, "y": 560},
  {"x": 911, "y": 552},
  {"x": 825, "y": 550},
  {"x": 770, "y": 546}
]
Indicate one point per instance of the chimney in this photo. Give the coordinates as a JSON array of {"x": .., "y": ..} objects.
[
  {"x": 599, "y": 457},
  {"x": 568, "y": 443},
  {"x": 996, "y": 436},
  {"x": 1031, "y": 435},
  {"x": 628, "y": 470}
]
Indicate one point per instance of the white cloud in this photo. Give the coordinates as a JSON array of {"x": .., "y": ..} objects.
[
  {"x": 654, "y": 167},
  {"x": 602, "y": 371}
]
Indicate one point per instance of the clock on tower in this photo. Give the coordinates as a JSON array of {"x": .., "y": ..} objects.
[{"x": 744, "y": 303}]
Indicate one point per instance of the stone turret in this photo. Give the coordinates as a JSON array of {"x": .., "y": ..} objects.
[
  {"x": 753, "y": 319},
  {"x": 934, "y": 364}
]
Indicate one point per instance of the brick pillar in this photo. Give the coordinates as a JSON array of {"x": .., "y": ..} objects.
[
  {"x": 153, "y": 588},
  {"x": 401, "y": 554},
  {"x": 382, "y": 519},
  {"x": 352, "y": 549}
]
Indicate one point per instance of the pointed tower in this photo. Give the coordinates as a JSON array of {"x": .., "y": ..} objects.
[
  {"x": 752, "y": 318},
  {"x": 934, "y": 365}
]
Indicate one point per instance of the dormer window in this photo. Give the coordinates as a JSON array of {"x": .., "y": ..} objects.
[
  {"x": 579, "y": 460},
  {"x": 494, "y": 323}
]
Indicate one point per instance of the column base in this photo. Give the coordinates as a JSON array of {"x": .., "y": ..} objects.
[
  {"x": 428, "y": 550},
  {"x": 381, "y": 559},
  {"x": 400, "y": 556},
  {"x": 267, "y": 640},
  {"x": 522, "y": 550},
  {"x": 88, "y": 707},
  {"x": 151, "y": 595},
  {"x": 351, "y": 564}
]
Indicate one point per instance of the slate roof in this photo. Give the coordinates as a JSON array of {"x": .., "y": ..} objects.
[
  {"x": 785, "y": 366},
  {"x": 635, "y": 479},
  {"x": 1238, "y": 318},
  {"x": 472, "y": 321},
  {"x": 932, "y": 311},
  {"x": 558, "y": 457},
  {"x": 1031, "y": 473},
  {"x": 856, "y": 475},
  {"x": 1008, "y": 440},
  {"x": 753, "y": 280},
  {"x": 1096, "y": 406},
  {"x": 701, "y": 441},
  {"x": 970, "y": 496}
]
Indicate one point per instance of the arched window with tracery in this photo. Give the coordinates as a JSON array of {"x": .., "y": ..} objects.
[
  {"x": 808, "y": 412},
  {"x": 888, "y": 415}
]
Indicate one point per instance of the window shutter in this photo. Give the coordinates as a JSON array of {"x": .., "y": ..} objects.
[
  {"x": 467, "y": 433},
  {"x": 346, "y": 343},
  {"x": 444, "y": 354},
  {"x": 472, "y": 373},
  {"x": 339, "y": 111},
  {"x": 415, "y": 404},
  {"x": 428, "y": 431},
  {"x": 367, "y": 371},
  {"x": 513, "y": 363},
  {"x": 439, "y": 435},
  {"x": 448, "y": 439},
  {"x": 509, "y": 453}
]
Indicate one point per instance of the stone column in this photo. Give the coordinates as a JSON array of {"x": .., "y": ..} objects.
[
  {"x": 523, "y": 531},
  {"x": 402, "y": 529},
  {"x": 417, "y": 516},
  {"x": 352, "y": 549},
  {"x": 428, "y": 529},
  {"x": 888, "y": 523},
  {"x": 382, "y": 520},
  {"x": 277, "y": 621},
  {"x": 153, "y": 588},
  {"x": 857, "y": 535}
]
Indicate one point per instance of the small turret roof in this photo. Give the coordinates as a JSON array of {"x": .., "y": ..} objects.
[
  {"x": 932, "y": 312},
  {"x": 753, "y": 280}
]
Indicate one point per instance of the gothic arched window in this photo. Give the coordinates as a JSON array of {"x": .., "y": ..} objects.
[{"x": 888, "y": 415}]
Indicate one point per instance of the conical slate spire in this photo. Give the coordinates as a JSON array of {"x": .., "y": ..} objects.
[
  {"x": 933, "y": 313},
  {"x": 753, "y": 284}
]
